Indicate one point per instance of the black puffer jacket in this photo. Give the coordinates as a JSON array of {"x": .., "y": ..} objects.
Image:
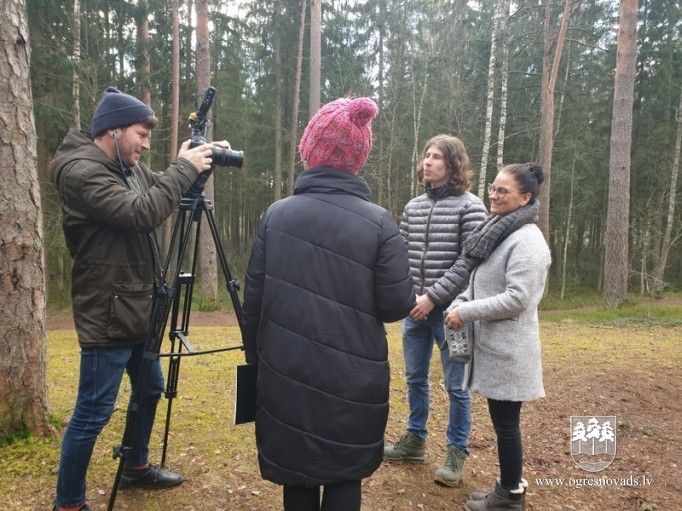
[
  {"x": 107, "y": 228},
  {"x": 327, "y": 268},
  {"x": 434, "y": 226}
]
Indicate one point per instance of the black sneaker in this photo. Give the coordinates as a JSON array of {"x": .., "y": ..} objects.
[
  {"x": 84, "y": 507},
  {"x": 150, "y": 477}
]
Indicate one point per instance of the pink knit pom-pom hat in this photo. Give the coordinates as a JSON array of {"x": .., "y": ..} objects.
[{"x": 340, "y": 135}]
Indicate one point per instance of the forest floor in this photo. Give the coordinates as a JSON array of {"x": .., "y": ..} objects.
[{"x": 630, "y": 371}]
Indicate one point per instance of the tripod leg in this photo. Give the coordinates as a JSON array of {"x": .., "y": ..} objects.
[
  {"x": 182, "y": 304},
  {"x": 232, "y": 284},
  {"x": 163, "y": 299},
  {"x": 168, "y": 297},
  {"x": 171, "y": 392}
]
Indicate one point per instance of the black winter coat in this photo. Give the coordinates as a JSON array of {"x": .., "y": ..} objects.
[{"x": 327, "y": 269}]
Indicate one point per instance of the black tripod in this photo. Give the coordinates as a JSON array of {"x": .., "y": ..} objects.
[{"x": 174, "y": 294}]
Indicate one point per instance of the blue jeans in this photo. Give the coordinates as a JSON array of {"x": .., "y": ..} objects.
[
  {"x": 101, "y": 371},
  {"x": 418, "y": 341}
]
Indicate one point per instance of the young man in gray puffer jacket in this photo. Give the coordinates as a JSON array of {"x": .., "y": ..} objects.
[{"x": 434, "y": 226}]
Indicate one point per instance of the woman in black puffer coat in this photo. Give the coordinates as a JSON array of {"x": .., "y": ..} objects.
[{"x": 327, "y": 269}]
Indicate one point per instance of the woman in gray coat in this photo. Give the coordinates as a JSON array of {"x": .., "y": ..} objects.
[{"x": 510, "y": 260}]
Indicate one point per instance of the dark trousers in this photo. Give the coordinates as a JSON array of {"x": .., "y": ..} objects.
[
  {"x": 335, "y": 497},
  {"x": 506, "y": 417}
]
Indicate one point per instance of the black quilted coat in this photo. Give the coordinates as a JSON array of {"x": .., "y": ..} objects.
[{"x": 327, "y": 269}]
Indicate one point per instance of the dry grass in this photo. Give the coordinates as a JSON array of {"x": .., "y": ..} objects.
[{"x": 590, "y": 369}]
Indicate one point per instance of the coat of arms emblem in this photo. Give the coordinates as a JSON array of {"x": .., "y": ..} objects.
[{"x": 593, "y": 442}]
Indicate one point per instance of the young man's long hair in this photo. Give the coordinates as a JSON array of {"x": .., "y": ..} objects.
[{"x": 457, "y": 160}]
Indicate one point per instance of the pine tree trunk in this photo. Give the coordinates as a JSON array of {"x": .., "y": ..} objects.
[
  {"x": 143, "y": 51},
  {"x": 277, "y": 43},
  {"x": 208, "y": 259},
  {"x": 315, "y": 56},
  {"x": 659, "y": 272},
  {"x": 23, "y": 389},
  {"x": 567, "y": 232},
  {"x": 167, "y": 227},
  {"x": 418, "y": 109},
  {"x": 293, "y": 146},
  {"x": 549, "y": 76},
  {"x": 616, "y": 268}
]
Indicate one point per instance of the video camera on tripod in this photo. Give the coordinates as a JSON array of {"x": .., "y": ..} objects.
[{"x": 198, "y": 125}]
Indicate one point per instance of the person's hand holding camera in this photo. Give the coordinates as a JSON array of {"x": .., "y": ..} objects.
[{"x": 199, "y": 156}]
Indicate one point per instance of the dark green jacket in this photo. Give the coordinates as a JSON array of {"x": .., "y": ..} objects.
[{"x": 107, "y": 228}]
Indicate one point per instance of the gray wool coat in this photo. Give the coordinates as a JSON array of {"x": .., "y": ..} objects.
[{"x": 501, "y": 301}]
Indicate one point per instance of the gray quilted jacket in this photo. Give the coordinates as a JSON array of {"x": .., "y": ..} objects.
[{"x": 434, "y": 226}]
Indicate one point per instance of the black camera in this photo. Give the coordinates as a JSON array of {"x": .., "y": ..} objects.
[
  {"x": 198, "y": 123},
  {"x": 221, "y": 156}
]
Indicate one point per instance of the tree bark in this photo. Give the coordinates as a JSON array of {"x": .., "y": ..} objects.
[
  {"x": 418, "y": 108},
  {"x": 315, "y": 56},
  {"x": 490, "y": 101},
  {"x": 175, "y": 81},
  {"x": 567, "y": 231},
  {"x": 616, "y": 268},
  {"x": 23, "y": 388},
  {"x": 75, "y": 81},
  {"x": 293, "y": 146},
  {"x": 167, "y": 227},
  {"x": 504, "y": 81},
  {"x": 277, "y": 50},
  {"x": 144, "y": 65},
  {"x": 208, "y": 259},
  {"x": 659, "y": 272},
  {"x": 549, "y": 75}
]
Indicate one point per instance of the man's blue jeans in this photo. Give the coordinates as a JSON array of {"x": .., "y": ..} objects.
[
  {"x": 418, "y": 341},
  {"x": 101, "y": 371}
]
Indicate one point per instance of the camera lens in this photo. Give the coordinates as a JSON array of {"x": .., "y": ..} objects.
[{"x": 227, "y": 157}]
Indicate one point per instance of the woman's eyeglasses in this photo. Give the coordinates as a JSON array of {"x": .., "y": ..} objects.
[{"x": 501, "y": 191}]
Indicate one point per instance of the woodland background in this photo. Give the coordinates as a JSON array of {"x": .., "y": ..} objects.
[
  {"x": 474, "y": 69},
  {"x": 544, "y": 80},
  {"x": 590, "y": 89}
]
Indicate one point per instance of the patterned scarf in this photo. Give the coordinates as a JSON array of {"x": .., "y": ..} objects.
[{"x": 494, "y": 229}]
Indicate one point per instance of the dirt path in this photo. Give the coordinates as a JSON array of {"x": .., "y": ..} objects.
[{"x": 215, "y": 318}]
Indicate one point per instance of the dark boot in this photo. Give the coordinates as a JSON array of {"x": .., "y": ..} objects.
[
  {"x": 480, "y": 495},
  {"x": 451, "y": 472},
  {"x": 408, "y": 448},
  {"x": 500, "y": 499}
]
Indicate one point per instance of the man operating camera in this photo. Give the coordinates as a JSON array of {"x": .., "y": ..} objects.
[{"x": 112, "y": 204}]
